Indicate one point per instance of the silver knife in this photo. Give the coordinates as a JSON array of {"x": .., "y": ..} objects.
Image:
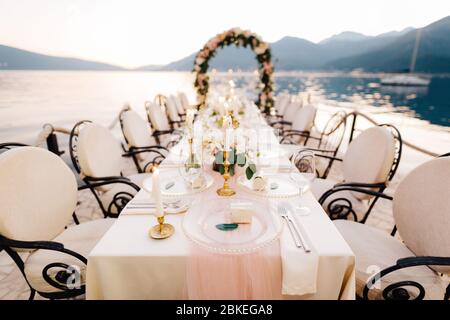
[{"x": 299, "y": 234}]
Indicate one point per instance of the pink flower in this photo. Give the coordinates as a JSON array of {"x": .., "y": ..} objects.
[{"x": 267, "y": 66}]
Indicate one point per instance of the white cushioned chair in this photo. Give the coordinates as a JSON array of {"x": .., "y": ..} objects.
[
  {"x": 301, "y": 125},
  {"x": 179, "y": 104},
  {"x": 163, "y": 132},
  {"x": 289, "y": 115},
  {"x": 173, "y": 111},
  {"x": 369, "y": 163},
  {"x": 39, "y": 196},
  {"x": 387, "y": 268},
  {"x": 141, "y": 144},
  {"x": 182, "y": 97},
  {"x": 98, "y": 157},
  {"x": 281, "y": 103}
]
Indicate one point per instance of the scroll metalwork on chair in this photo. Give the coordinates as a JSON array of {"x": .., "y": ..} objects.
[
  {"x": 97, "y": 156},
  {"x": 44, "y": 193},
  {"x": 411, "y": 269},
  {"x": 370, "y": 162}
]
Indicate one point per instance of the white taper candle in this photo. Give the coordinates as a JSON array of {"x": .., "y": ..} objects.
[{"x": 156, "y": 192}]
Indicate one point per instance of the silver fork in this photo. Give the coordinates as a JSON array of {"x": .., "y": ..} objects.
[{"x": 283, "y": 213}]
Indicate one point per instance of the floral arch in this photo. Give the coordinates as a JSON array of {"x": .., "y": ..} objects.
[{"x": 243, "y": 38}]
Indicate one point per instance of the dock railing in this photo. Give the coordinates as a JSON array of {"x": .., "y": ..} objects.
[{"x": 355, "y": 114}]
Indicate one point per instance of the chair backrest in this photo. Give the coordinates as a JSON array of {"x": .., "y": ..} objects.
[
  {"x": 333, "y": 132},
  {"x": 291, "y": 110},
  {"x": 304, "y": 118},
  {"x": 282, "y": 102},
  {"x": 157, "y": 117},
  {"x": 184, "y": 100},
  {"x": 422, "y": 210},
  {"x": 99, "y": 152},
  {"x": 369, "y": 157},
  {"x": 172, "y": 110},
  {"x": 39, "y": 194},
  {"x": 178, "y": 104},
  {"x": 136, "y": 131}
]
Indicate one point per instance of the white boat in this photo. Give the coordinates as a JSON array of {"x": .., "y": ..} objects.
[
  {"x": 405, "y": 80},
  {"x": 408, "y": 79}
]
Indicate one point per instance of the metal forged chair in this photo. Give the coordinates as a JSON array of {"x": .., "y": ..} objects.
[
  {"x": 387, "y": 268},
  {"x": 326, "y": 144},
  {"x": 173, "y": 112},
  {"x": 281, "y": 103},
  {"x": 184, "y": 101},
  {"x": 179, "y": 104},
  {"x": 299, "y": 131},
  {"x": 98, "y": 158},
  {"x": 289, "y": 115},
  {"x": 141, "y": 145},
  {"x": 163, "y": 132},
  {"x": 369, "y": 163},
  {"x": 39, "y": 196}
]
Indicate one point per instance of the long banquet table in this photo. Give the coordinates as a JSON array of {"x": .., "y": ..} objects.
[{"x": 127, "y": 264}]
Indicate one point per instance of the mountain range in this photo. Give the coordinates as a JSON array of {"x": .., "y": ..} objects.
[{"x": 346, "y": 51}]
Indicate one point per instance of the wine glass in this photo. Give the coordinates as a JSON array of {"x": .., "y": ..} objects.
[
  {"x": 191, "y": 167},
  {"x": 303, "y": 173}
]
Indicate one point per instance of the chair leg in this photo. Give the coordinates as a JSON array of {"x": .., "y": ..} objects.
[
  {"x": 32, "y": 294},
  {"x": 75, "y": 218}
]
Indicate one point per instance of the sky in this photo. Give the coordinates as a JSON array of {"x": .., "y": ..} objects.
[{"x": 132, "y": 33}]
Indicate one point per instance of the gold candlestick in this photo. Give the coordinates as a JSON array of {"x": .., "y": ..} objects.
[
  {"x": 161, "y": 230},
  {"x": 225, "y": 191},
  {"x": 191, "y": 152}
]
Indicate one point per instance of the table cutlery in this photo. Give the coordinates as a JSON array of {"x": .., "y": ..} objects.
[
  {"x": 283, "y": 213},
  {"x": 151, "y": 205},
  {"x": 169, "y": 185},
  {"x": 300, "y": 235}
]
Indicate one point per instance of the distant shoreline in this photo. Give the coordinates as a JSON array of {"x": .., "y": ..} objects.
[{"x": 281, "y": 73}]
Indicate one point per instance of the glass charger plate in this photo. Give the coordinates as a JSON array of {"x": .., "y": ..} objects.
[
  {"x": 178, "y": 186},
  {"x": 200, "y": 222},
  {"x": 286, "y": 188}
]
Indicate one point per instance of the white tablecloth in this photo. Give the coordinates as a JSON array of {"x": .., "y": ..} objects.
[{"x": 127, "y": 264}]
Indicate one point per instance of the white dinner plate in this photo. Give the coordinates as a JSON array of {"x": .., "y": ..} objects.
[{"x": 199, "y": 225}]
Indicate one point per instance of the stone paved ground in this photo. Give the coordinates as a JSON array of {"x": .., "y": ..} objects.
[{"x": 12, "y": 285}]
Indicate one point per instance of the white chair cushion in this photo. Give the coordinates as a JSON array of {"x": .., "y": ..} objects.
[
  {"x": 281, "y": 103},
  {"x": 107, "y": 197},
  {"x": 158, "y": 118},
  {"x": 291, "y": 111},
  {"x": 136, "y": 130},
  {"x": 38, "y": 194},
  {"x": 422, "y": 209},
  {"x": 320, "y": 186},
  {"x": 80, "y": 238},
  {"x": 184, "y": 100},
  {"x": 99, "y": 152},
  {"x": 304, "y": 118},
  {"x": 172, "y": 109},
  {"x": 369, "y": 157},
  {"x": 178, "y": 104},
  {"x": 375, "y": 251}
]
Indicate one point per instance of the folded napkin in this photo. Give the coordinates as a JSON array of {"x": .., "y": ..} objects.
[
  {"x": 145, "y": 198},
  {"x": 299, "y": 268}
]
